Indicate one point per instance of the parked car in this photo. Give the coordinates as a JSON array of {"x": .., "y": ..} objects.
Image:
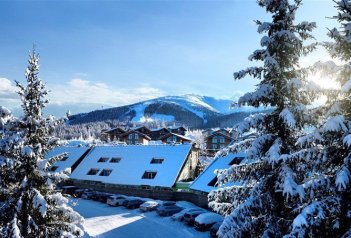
[
  {"x": 79, "y": 192},
  {"x": 180, "y": 215},
  {"x": 68, "y": 189},
  {"x": 214, "y": 229},
  {"x": 168, "y": 203},
  {"x": 104, "y": 196},
  {"x": 148, "y": 206},
  {"x": 116, "y": 200},
  {"x": 168, "y": 210},
  {"x": 189, "y": 217},
  {"x": 96, "y": 195},
  {"x": 88, "y": 194},
  {"x": 134, "y": 203},
  {"x": 205, "y": 221}
]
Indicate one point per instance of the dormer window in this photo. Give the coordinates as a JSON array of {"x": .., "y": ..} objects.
[
  {"x": 115, "y": 160},
  {"x": 53, "y": 168},
  {"x": 103, "y": 159},
  {"x": 157, "y": 161},
  {"x": 149, "y": 175},
  {"x": 64, "y": 158},
  {"x": 93, "y": 171},
  {"x": 213, "y": 182},
  {"x": 105, "y": 172},
  {"x": 236, "y": 160}
]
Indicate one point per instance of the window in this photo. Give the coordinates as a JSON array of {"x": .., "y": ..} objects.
[
  {"x": 93, "y": 171},
  {"x": 149, "y": 175},
  {"x": 172, "y": 138},
  {"x": 214, "y": 139},
  {"x": 130, "y": 136},
  {"x": 221, "y": 139},
  {"x": 213, "y": 182},
  {"x": 103, "y": 159},
  {"x": 64, "y": 158},
  {"x": 105, "y": 172},
  {"x": 53, "y": 168},
  {"x": 115, "y": 160},
  {"x": 156, "y": 161},
  {"x": 236, "y": 160}
]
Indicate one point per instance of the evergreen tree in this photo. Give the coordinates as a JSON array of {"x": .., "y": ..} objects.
[
  {"x": 326, "y": 208},
  {"x": 270, "y": 191},
  {"x": 30, "y": 206}
]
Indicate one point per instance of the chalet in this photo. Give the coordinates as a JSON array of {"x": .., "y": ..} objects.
[
  {"x": 135, "y": 138},
  {"x": 207, "y": 180},
  {"x": 180, "y": 130},
  {"x": 156, "y": 134},
  {"x": 112, "y": 134},
  {"x": 142, "y": 129},
  {"x": 216, "y": 141},
  {"x": 137, "y": 166},
  {"x": 175, "y": 138},
  {"x": 72, "y": 155}
]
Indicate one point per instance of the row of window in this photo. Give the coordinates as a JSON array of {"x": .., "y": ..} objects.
[
  {"x": 118, "y": 159},
  {"x": 107, "y": 172},
  {"x": 113, "y": 159}
]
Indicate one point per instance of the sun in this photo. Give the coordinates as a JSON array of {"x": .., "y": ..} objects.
[{"x": 323, "y": 81}]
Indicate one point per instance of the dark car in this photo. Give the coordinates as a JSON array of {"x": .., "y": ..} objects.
[
  {"x": 189, "y": 217},
  {"x": 214, "y": 229},
  {"x": 168, "y": 210},
  {"x": 134, "y": 203},
  {"x": 79, "y": 192},
  {"x": 88, "y": 194},
  {"x": 68, "y": 189},
  {"x": 104, "y": 196}
]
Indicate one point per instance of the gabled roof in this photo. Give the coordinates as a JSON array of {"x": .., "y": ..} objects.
[
  {"x": 138, "y": 128},
  {"x": 135, "y": 160},
  {"x": 176, "y": 128},
  {"x": 159, "y": 129},
  {"x": 120, "y": 130},
  {"x": 208, "y": 175},
  {"x": 177, "y": 135},
  {"x": 219, "y": 134},
  {"x": 136, "y": 132},
  {"x": 73, "y": 153}
]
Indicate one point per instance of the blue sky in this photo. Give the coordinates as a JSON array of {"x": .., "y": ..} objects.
[{"x": 96, "y": 54}]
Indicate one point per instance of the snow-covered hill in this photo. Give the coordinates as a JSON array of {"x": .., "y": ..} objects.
[{"x": 192, "y": 110}]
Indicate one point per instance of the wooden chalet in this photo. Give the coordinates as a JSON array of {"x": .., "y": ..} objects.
[
  {"x": 175, "y": 138},
  {"x": 135, "y": 138},
  {"x": 112, "y": 134},
  {"x": 216, "y": 141}
]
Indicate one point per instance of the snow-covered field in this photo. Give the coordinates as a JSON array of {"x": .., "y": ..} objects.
[{"x": 104, "y": 221}]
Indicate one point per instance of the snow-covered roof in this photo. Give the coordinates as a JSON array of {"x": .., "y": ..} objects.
[
  {"x": 136, "y": 132},
  {"x": 177, "y": 135},
  {"x": 202, "y": 182},
  {"x": 73, "y": 154},
  {"x": 133, "y": 162}
]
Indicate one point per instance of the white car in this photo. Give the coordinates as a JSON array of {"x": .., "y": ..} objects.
[
  {"x": 149, "y": 206},
  {"x": 116, "y": 200},
  {"x": 204, "y": 221},
  {"x": 180, "y": 215}
]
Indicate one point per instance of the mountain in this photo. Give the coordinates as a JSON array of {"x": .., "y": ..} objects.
[{"x": 192, "y": 110}]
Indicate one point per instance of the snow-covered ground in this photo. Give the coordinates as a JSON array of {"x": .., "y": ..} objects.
[{"x": 104, "y": 221}]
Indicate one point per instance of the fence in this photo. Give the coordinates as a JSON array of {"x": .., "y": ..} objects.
[{"x": 155, "y": 193}]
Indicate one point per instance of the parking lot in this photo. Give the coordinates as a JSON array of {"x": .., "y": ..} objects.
[{"x": 102, "y": 220}]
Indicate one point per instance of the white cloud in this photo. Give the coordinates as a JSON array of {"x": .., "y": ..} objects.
[
  {"x": 79, "y": 91},
  {"x": 8, "y": 96}
]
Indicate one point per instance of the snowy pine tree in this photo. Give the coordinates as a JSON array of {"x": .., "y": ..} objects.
[
  {"x": 30, "y": 206},
  {"x": 270, "y": 192},
  {"x": 326, "y": 208}
]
